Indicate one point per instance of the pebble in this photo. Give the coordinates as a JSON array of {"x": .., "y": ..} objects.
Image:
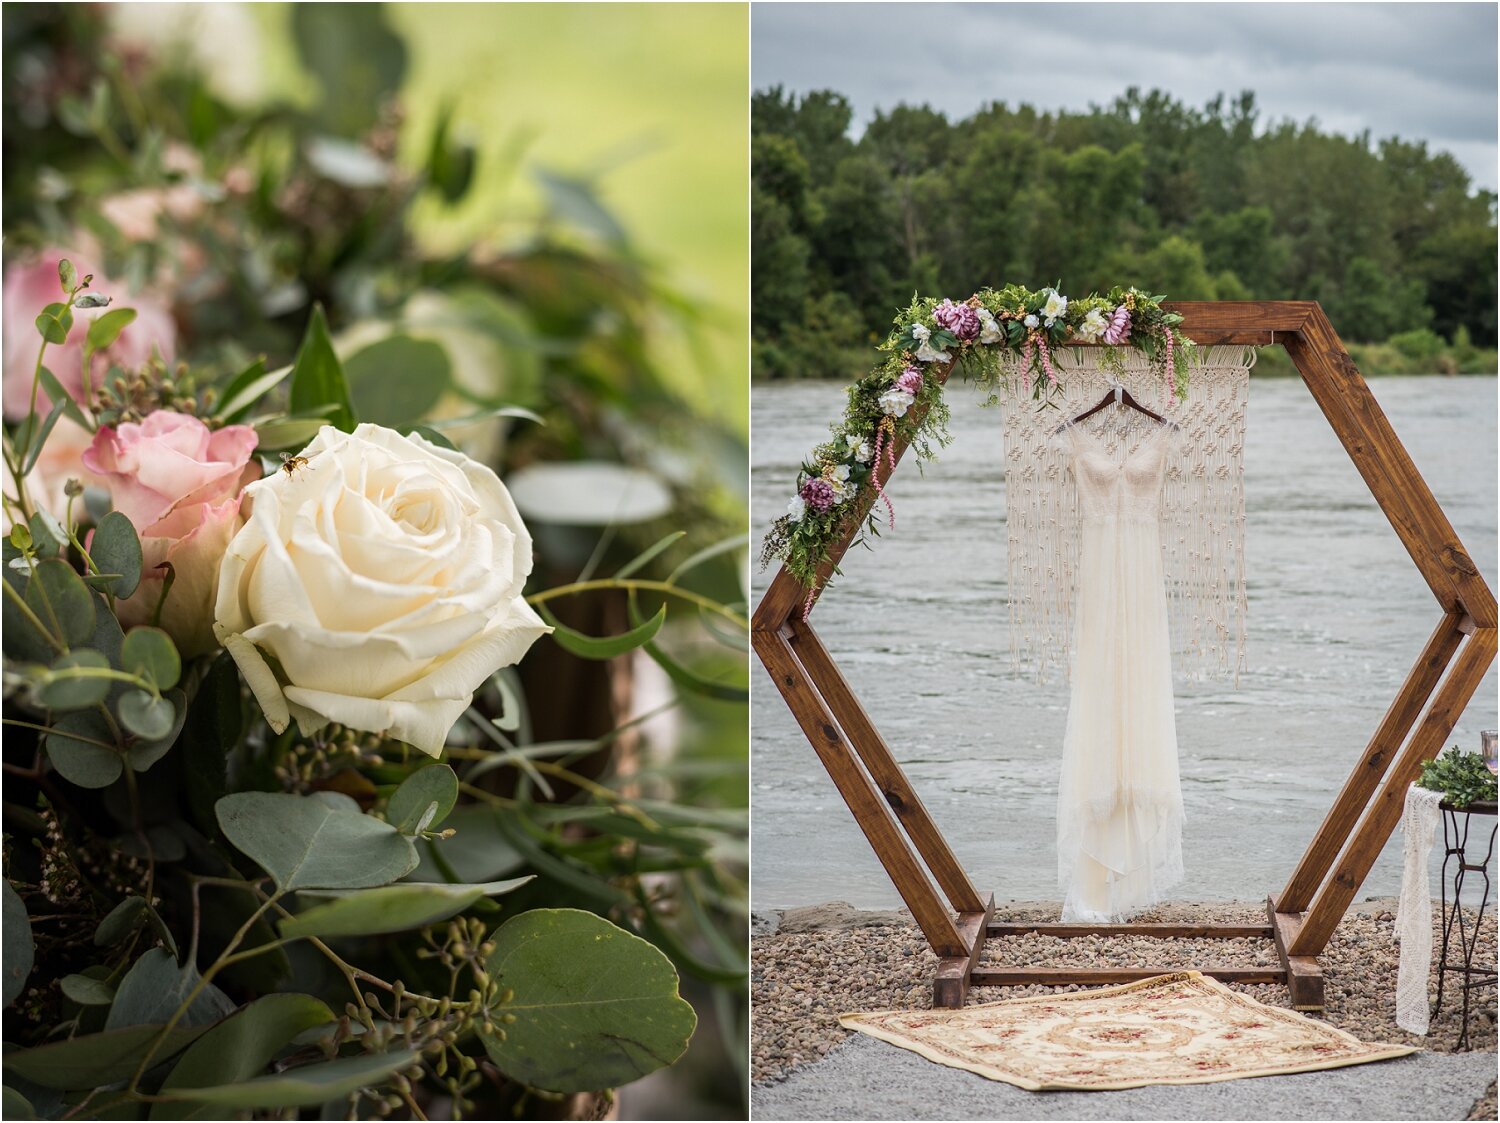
[{"x": 840, "y": 960}]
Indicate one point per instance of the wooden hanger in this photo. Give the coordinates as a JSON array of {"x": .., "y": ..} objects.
[{"x": 1117, "y": 395}]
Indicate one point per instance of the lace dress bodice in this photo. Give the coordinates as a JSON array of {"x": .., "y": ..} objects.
[{"x": 1109, "y": 487}]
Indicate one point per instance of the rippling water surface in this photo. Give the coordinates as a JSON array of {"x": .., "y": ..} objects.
[{"x": 1337, "y": 615}]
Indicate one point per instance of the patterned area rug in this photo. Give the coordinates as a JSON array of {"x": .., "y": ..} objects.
[{"x": 1182, "y": 1028}]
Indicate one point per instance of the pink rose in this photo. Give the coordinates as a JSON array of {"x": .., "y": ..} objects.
[
  {"x": 32, "y": 286},
  {"x": 179, "y": 484}
]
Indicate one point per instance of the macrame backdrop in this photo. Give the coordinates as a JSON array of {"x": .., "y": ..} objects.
[{"x": 1203, "y": 503}]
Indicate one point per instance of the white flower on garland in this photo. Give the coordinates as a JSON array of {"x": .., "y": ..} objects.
[
  {"x": 841, "y": 472},
  {"x": 1093, "y": 327},
  {"x": 796, "y": 507},
  {"x": 859, "y": 448},
  {"x": 926, "y": 352},
  {"x": 1056, "y": 306},
  {"x": 895, "y": 402},
  {"x": 989, "y": 327},
  {"x": 1032, "y": 321}
]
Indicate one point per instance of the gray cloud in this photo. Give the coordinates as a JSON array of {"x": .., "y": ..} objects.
[{"x": 1424, "y": 71}]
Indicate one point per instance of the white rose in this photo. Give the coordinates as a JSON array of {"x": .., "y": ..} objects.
[
  {"x": 796, "y": 507},
  {"x": 896, "y": 402},
  {"x": 1056, "y": 305},
  {"x": 1093, "y": 327},
  {"x": 859, "y": 448},
  {"x": 989, "y": 327},
  {"x": 1032, "y": 321},
  {"x": 921, "y": 332},
  {"x": 927, "y": 353},
  {"x": 378, "y": 585},
  {"x": 841, "y": 472}
]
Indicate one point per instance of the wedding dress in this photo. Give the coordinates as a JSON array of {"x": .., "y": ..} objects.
[{"x": 1119, "y": 806}]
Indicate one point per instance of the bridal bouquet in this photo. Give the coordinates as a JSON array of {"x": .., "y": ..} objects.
[{"x": 255, "y": 675}]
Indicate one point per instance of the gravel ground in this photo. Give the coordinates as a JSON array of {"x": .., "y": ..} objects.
[{"x": 810, "y": 965}]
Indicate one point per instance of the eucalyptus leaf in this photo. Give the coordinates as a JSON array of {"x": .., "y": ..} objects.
[
  {"x": 92, "y": 1059},
  {"x": 144, "y": 753},
  {"x": 122, "y": 920},
  {"x": 117, "y": 549},
  {"x": 80, "y": 747},
  {"x": 594, "y": 1006},
  {"x": 150, "y": 653},
  {"x": 588, "y": 493},
  {"x": 18, "y": 946},
  {"x": 92, "y": 300},
  {"x": 390, "y": 908},
  {"x": 67, "y": 685},
  {"x": 146, "y": 715},
  {"x": 304, "y": 843},
  {"x": 105, "y": 329},
  {"x": 156, "y": 985},
  {"x": 432, "y": 784},
  {"x": 57, "y": 393},
  {"x": 54, "y": 322},
  {"x": 307, "y": 1086},
  {"x": 86, "y": 991},
  {"x": 398, "y": 378},
  {"x": 317, "y": 377},
  {"x": 48, "y": 537},
  {"x": 67, "y": 275},
  {"x": 15, "y": 1106},
  {"x": 61, "y": 600},
  {"x": 606, "y": 647},
  {"x": 477, "y": 852},
  {"x": 35, "y": 444},
  {"x": 238, "y": 1049}
]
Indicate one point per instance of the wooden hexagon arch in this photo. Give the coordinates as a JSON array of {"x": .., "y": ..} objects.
[{"x": 1303, "y": 916}]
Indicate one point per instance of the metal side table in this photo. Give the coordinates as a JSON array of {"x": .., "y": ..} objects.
[{"x": 1460, "y": 937}]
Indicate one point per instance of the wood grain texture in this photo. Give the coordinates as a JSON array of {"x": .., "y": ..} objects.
[
  {"x": 1066, "y": 976},
  {"x": 1372, "y": 765},
  {"x": 883, "y": 768},
  {"x": 870, "y": 810},
  {"x": 1001, "y": 928},
  {"x": 1384, "y": 810},
  {"x": 1304, "y": 975},
  {"x": 950, "y": 986}
]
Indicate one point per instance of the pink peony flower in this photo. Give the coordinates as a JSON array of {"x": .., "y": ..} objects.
[
  {"x": 959, "y": 319},
  {"x": 818, "y": 494},
  {"x": 1119, "y": 327},
  {"x": 910, "y": 381},
  {"x": 179, "y": 483},
  {"x": 29, "y": 288}
]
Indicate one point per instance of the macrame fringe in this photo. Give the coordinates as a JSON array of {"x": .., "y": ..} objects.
[{"x": 1203, "y": 502}]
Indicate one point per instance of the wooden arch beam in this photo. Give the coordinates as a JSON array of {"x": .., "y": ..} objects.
[{"x": 1341, "y": 853}]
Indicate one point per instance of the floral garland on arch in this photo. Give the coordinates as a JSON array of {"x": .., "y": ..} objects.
[{"x": 974, "y": 336}]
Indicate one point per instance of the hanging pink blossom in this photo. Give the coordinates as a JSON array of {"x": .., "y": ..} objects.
[
  {"x": 959, "y": 319},
  {"x": 1119, "y": 327},
  {"x": 1171, "y": 368},
  {"x": 1046, "y": 357}
]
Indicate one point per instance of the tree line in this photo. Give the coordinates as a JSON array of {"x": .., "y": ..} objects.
[{"x": 1200, "y": 204}]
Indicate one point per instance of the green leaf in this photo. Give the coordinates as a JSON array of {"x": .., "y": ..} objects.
[
  {"x": 607, "y": 647},
  {"x": 92, "y": 1059},
  {"x": 67, "y": 275},
  {"x": 246, "y": 388},
  {"x": 428, "y": 433},
  {"x": 156, "y": 985},
  {"x": 87, "y": 991},
  {"x": 238, "y": 1049},
  {"x": 91, "y": 300},
  {"x": 107, "y": 328},
  {"x": 117, "y": 549},
  {"x": 35, "y": 445},
  {"x": 48, "y": 538},
  {"x": 478, "y": 851},
  {"x": 434, "y": 786},
  {"x": 307, "y": 1086},
  {"x": 638, "y": 562},
  {"x": 80, "y": 747},
  {"x": 150, "y": 653},
  {"x": 595, "y": 1006},
  {"x": 144, "y": 753},
  {"x": 576, "y": 201},
  {"x": 61, "y": 601},
  {"x": 54, "y": 323},
  {"x": 15, "y": 1106},
  {"x": 211, "y": 731},
  {"x": 145, "y": 714},
  {"x": 67, "y": 685},
  {"x": 56, "y": 393},
  {"x": 305, "y": 843},
  {"x": 317, "y": 378},
  {"x": 287, "y": 432},
  {"x": 390, "y": 908},
  {"x": 122, "y": 920},
  {"x": 19, "y": 947},
  {"x": 397, "y": 379}
]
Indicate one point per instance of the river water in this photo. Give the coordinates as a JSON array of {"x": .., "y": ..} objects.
[{"x": 1337, "y": 615}]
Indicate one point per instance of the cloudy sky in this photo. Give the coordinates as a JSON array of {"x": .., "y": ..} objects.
[{"x": 1423, "y": 71}]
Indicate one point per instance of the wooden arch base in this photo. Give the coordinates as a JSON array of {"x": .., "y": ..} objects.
[{"x": 956, "y": 919}]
